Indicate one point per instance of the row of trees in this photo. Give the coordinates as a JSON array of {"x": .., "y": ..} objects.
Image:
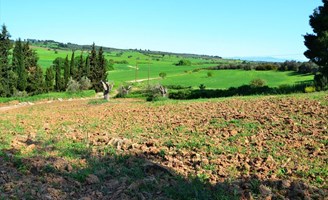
[
  {"x": 20, "y": 73},
  {"x": 93, "y": 67},
  {"x": 300, "y": 67}
]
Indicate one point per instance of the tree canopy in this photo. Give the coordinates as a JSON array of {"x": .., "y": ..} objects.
[{"x": 317, "y": 43}]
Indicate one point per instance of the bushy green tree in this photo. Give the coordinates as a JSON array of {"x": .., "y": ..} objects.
[
  {"x": 317, "y": 43},
  {"x": 30, "y": 57},
  {"x": 183, "y": 63},
  {"x": 97, "y": 68},
  {"x": 36, "y": 81},
  {"x": 162, "y": 75}
]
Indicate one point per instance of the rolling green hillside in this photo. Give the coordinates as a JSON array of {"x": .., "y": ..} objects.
[{"x": 152, "y": 64}]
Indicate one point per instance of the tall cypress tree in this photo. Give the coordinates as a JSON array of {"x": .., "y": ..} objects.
[
  {"x": 102, "y": 63},
  {"x": 80, "y": 67},
  {"x": 86, "y": 70},
  {"x": 5, "y": 46},
  {"x": 8, "y": 79},
  {"x": 19, "y": 65},
  {"x": 57, "y": 64},
  {"x": 66, "y": 71},
  {"x": 49, "y": 79},
  {"x": 72, "y": 67},
  {"x": 94, "y": 68}
]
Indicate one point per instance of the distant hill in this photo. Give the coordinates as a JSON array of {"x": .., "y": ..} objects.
[
  {"x": 263, "y": 59},
  {"x": 51, "y": 44}
]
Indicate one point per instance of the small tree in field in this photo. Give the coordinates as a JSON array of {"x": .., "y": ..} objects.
[
  {"x": 257, "y": 83},
  {"x": 209, "y": 74},
  {"x": 162, "y": 75}
]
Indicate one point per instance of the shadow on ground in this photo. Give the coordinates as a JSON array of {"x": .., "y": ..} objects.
[{"x": 88, "y": 174}]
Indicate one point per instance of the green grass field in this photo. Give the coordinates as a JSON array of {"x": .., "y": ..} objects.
[{"x": 151, "y": 65}]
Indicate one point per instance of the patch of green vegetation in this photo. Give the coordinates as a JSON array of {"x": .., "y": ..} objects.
[
  {"x": 50, "y": 96},
  {"x": 72, "y": 150}
]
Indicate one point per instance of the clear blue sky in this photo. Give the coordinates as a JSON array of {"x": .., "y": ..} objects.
[{"x": 214, "y": 27}]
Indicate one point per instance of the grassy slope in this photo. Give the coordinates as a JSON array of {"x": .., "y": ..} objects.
[{"x": 178, "y": 75}]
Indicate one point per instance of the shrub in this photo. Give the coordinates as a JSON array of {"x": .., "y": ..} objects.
[
  {"x": 202, "y": 87},
  {"x": 156, "y": 92},
  {"x": 162, "y": 75},
  {"x": 123, "y": 90},
  {"x": 85, "y": 83},
  {"x": 181, "y": 94},
  {"x": 73, "y": 86},
  {"x": 20, "y": 93},
  {"x": 209, "y": 74},
  {"x": 177, "y": 87},
  {"x": 183, "y": 63},
  {"x": 257, "y": 83},
  {"x": 309, "y": 89}
]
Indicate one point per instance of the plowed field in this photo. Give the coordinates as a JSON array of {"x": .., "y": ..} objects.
[{"x": 237, "y": 148}]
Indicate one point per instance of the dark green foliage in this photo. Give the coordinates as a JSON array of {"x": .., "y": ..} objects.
[
  {"x": 36, "y": 83},
  {"x": 125, "y": 62},
  {"x": 5, "y": 46},
  {"x": 59, "y": 81},
  {"x": 93, "y": 68},
  {"x": 80, "y": 68},
  {"x": 98, "y": 66},
  {"x": 267, "y": 66},
  {"x": 30, "y": 56},
  {"x": 19, "y": 65},
  {"x": 67, "y": 71},
  {"x": 162, "y": 75},
  {"x": 202, "y": 87},
  {"x": 209, "y": 74},
  {"x": 244, "y": 90},
  {"x": 5, "y": 69},
  {"x": 86, "y": 69},
  {"x": 49, "y": 79},
  {"x": 291, "y": 65},
  {"x": 72, "y": 67},
  {"x": 308, "y": 67},
  {"x": 183, "y": 63},
  {"x": 9, "y": 84},
  {"x": 321, "y": 81},
  {"x": 317, "y": 43},
  {"x": 102, "y": 65},
  {"x": 177, "y": 87}
]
